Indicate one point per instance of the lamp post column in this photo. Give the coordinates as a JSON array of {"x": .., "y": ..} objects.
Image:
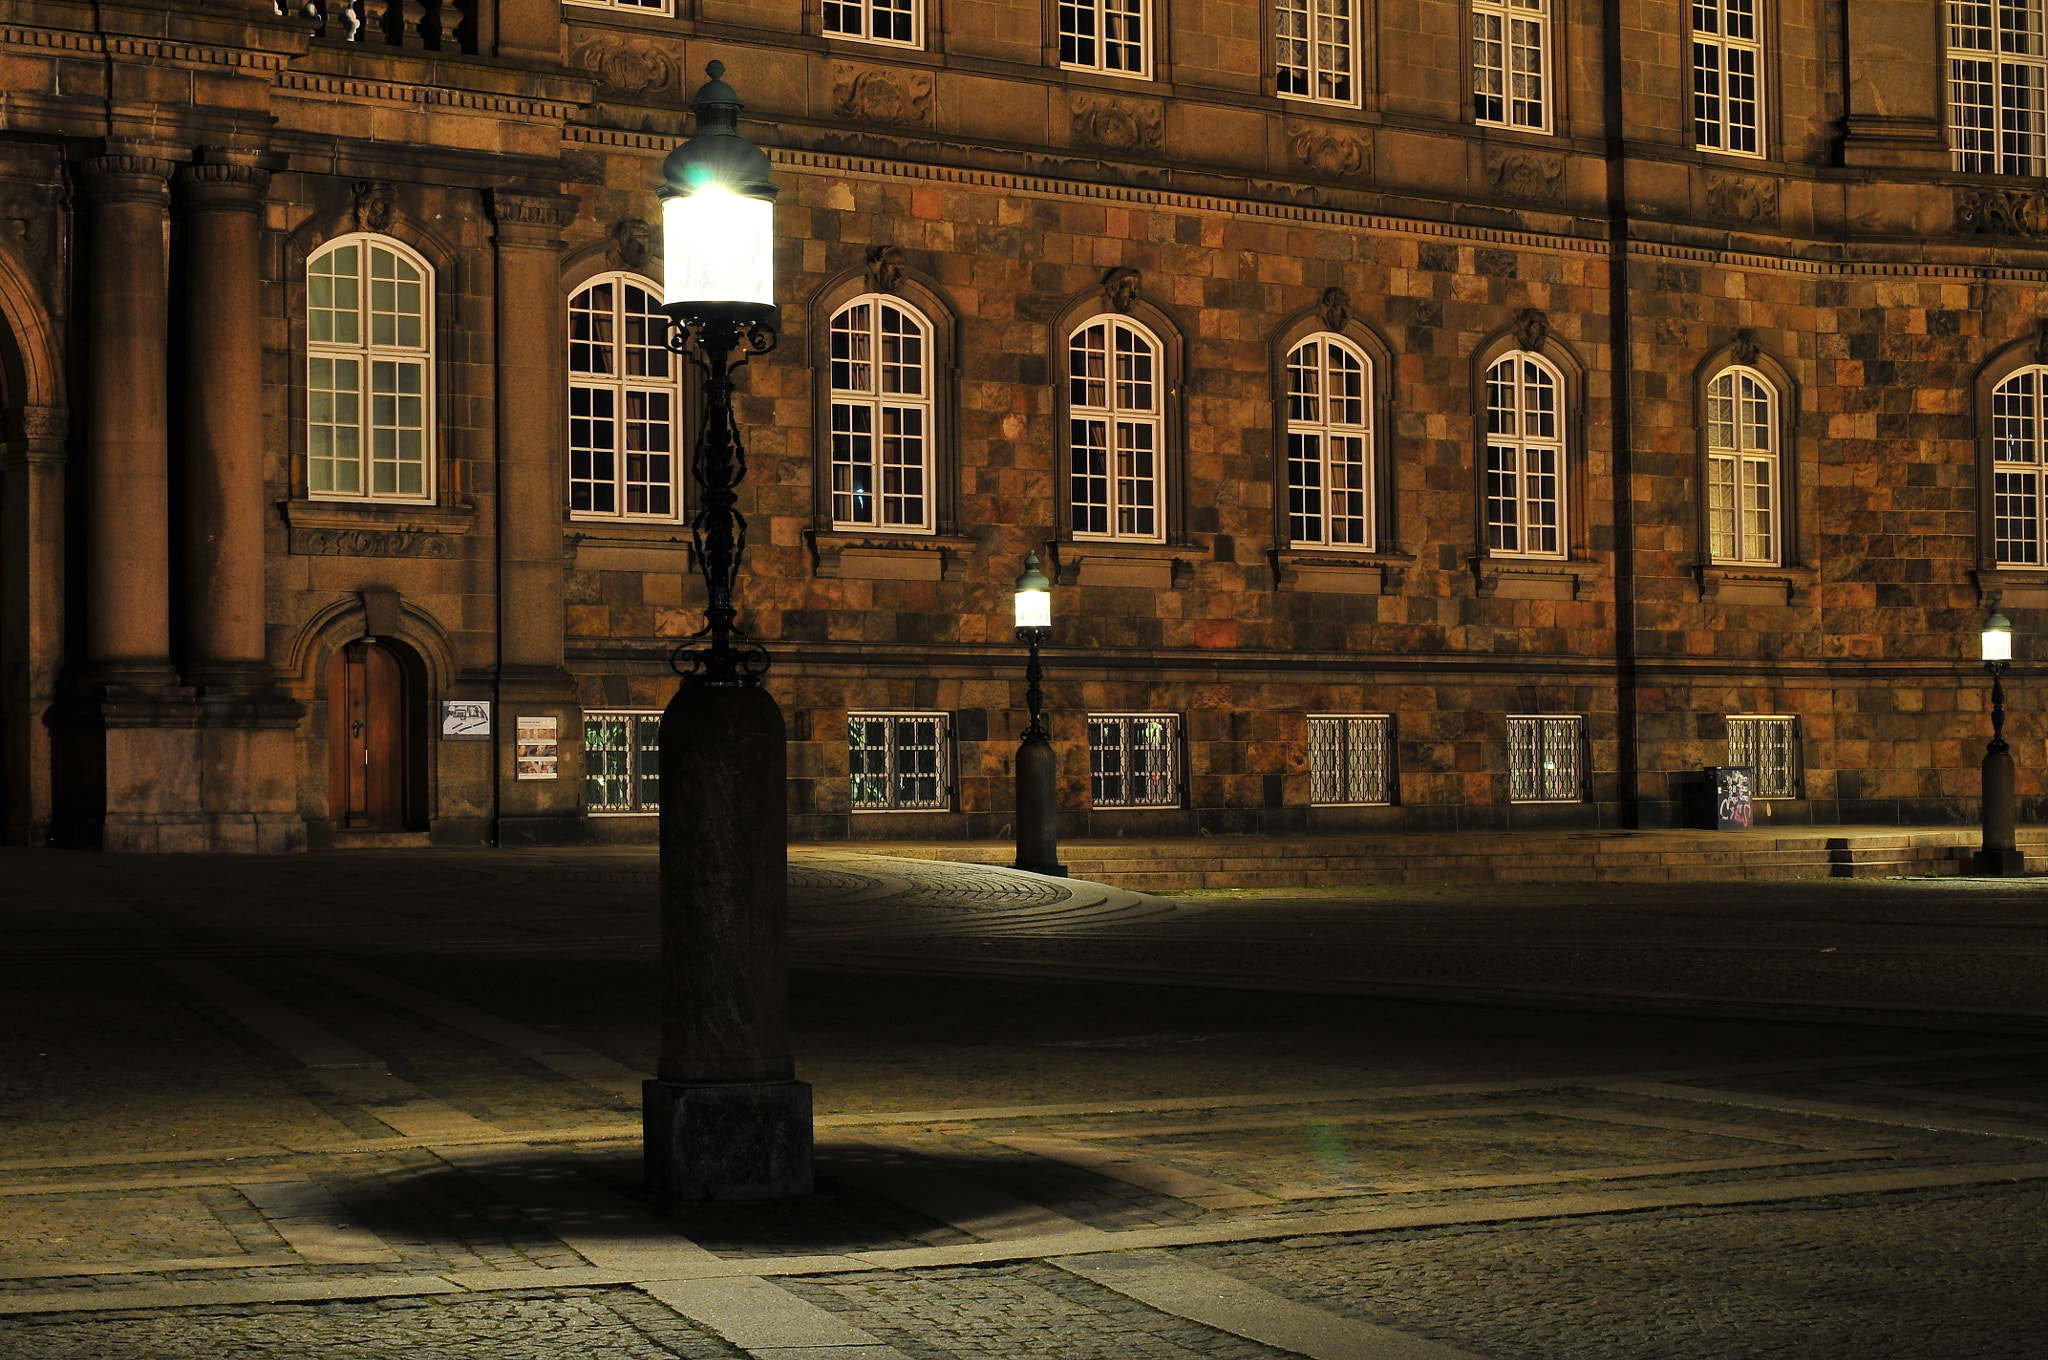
[
  {"x": 1038, "y": 807},
  {"x": 2000, "y": 856}
]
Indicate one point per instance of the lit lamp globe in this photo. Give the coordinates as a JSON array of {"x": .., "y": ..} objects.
[
  {"x": 718, "y": 219},
  {"x": 1034, "y": 596},
  {"x": 1997, "y": 640}
]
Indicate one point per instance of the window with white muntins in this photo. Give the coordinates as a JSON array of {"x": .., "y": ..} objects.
[
  {"x": 881, "y": 416},
  {"x": 1112, "y": 36},
  {"x": 1115, "y": 431},
  {"x": 621, "y": 763},
  {"x": 1525, "y": 453},
  {"x": 2018, "y": 406},
  {"x": 623, "y": 399},
  {"x": 1511, "y": 63},
  {"x": 629, "y": 6},
  {"x": 1771, "y": 747},
  {"x": 1546, "y": 759},
  {"x": 899, "y": 762},
  {"x": 1998, "y": 86},
  {"x": 369, "y": 381},
  {"x": 1350, "y": 758},
  {"x": 1315, "y": 51},
  {"x": 1742, "y": 469},
  {"x": 899, "y": 23},
  {"x": 1727, "y": 75},
  {"x": 1134, "y": 759},
  {"x": 1329, "y": 444}
]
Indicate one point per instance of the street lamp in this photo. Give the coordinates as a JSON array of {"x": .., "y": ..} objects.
[
  {"x": 2000, "y": 856},
  {"x": 724, "y": 1117},
  {"x": 1038, "y": 809}
]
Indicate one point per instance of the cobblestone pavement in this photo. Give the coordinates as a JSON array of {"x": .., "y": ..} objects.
[{"x": 300, "y": 1107}]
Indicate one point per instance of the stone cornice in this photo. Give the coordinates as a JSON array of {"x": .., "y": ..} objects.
[
  {"x": 146, "y": 49},
  {"x": 401, "y": 92}
]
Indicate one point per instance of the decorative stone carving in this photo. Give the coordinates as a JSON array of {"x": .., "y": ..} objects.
[
  {"x": 1111, "y": 124},
  {"x": 1743, "y": 199},
  {"x": 375, "y": 205},
  {"x": 876, "y": 95},
  {"x": 1120, "y": 290},
  {"x": 368, "y": 543},
  {"x": 531, "y": 210},
  {"x": 631, "y": 244},
  {"x": 2041, "y": 341},
  {"x": 1335, "y": 309},
  {"x": 884, "y": 269},
  {"x": 1744, "y": 349},
  {"x": 1532, "y": 328},
  {"x": 1526, "y": 174},
  {"x": 43, "y": 423},
  {"x": 1331, "y": 153},
  {"x": 2001, "y": 212},
  {"x": 622, "y": 65}
]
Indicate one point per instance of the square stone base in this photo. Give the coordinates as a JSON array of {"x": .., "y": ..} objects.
[
  {"x": 727, "y": 1140},
  {"x": 1998, "y": 864}
]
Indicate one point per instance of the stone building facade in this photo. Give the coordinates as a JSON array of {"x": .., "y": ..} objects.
[{"x": 1434, "y": 413}]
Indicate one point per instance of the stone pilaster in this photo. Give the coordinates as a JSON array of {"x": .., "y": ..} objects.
[
  {"x": 1895, "y": 86},
  {"x": 31, "y": 613},
  {"x": 531, "y": 416}
]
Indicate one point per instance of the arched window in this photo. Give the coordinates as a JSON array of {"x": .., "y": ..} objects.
[
  {"x": 623, "y": 431},
  {"x": 1114, "y": 431},
  {"x": 369, "y": 380},
  {"x": 2017, "y": 440},
  {"x": 1742, "y": 469},
  {"x": 881, "y": 415},
  {"x": 1525, "y": 485},
  {"x": 1329, "y": 444}
]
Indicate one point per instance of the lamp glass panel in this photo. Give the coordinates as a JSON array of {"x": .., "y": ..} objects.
[
  {"x": 720, "y": 248},
  {"x": 1997, "y": 644},
  {"x": 1034, "y": 609}
]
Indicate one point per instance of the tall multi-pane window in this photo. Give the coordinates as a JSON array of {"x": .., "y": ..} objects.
[
  {"x": 369, "y": 384},
  {"x": 1771, "y": 747},
  {"x": 1329, "y": 444},
  {"x": 622, "y": 762},
  {"x": 1134, "y": 759},
  {"x": 1510, "y": 63},
  {"x": 1105, "y": 35},
  {"x": 1315, "y": 50},
  {"x": 622, "y": 403},
  {"x": 900, "y": 22},
  {"x": 1524, "y": 458},
  {"x": 1546, "y": 759},
  {"x": 1742, "y": 468},
  {"x": 1350, "y": 757},
  {"x": 2017, "y": 440},
  {"x": 1727, "y": 66},
  {"x": 898, "y": 761},
  {"x": 1114, "y": 442},
  {"x": 881, "y": 416},
  {"x": 1998, "y": 86},
  {"x": 629, "y": 6}
]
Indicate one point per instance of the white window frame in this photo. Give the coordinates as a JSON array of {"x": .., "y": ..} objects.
[
  {"x": 1511, "y": 48},
  {"x": 1770, "y": 746},
  {"x": 629, "y": 6},
  {"x": 2019, "y": 448},
  {"x": 1728, "y": 76},
  {"x": 857, "y": 366},
  {"x": 867, "y": 11},
  {"x": 1546, "y": 758},
  {"x": 1307, "y": 61},
  {"x": 1132, "y": 419},
  {"x": 617, "y": 390},
  {"x": 335, "y": 410},
  {"x": 1745, "y": 481},
  {"x": 1527, "y": 467},
  {"x": 1997, "y": 87},
  {"x": 1330, "y": 492},
  {"x": 1162, "y": 772},
  {"x": 1351, "y": 759},
  {"x": 892, "y": 773},
  {"x": 1082, "y": 30},
  {"x": 636, "y": 761}
]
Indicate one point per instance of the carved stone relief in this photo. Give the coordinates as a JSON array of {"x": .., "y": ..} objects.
[
  {"x": 375, "y": 204},
  {"x": 631, "y": 244},
  {"x": 629, "y": 66},
  {"x": 884, "y": 269},
  {"x": 1120, "y": 289},
  {"x": 2001, "y": 212},
  {"x": 1335, "y": 309},
  {"x": 878, "y": 95},
  {"x": 1330, "y": 152},
  {"x": 1532, "y": 328},
  {"x": 2041, "y": 341},
  {"x": 1744, "y": 349},
  {"x": 1117, "y": 124},
  {"x": 1526, "y": 174},
  {"x": 368, "y": 543},
  {"x": 1742, "y": 199}
]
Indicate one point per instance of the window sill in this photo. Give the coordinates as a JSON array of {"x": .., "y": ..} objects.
[
  {"x": 374, "y": 528},
  {"x": 1729, "y": 583},
  {"x": 2017, "y": 587},
  {"x": 1534, "y": 578},
  {"x": 1116, "y": 562},
  {"x": 1322, "y": 571},
  {"x": 628, "y": 545},
  {"x": 840, "y": 554}
]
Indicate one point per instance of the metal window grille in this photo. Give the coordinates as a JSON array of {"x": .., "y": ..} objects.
[
  {"x": 1114, "y": 435},
  {"x": 1105, "y": 35},
  {"x": 622, "y": 403},
  {"x": 1350, "y": 758},
  {"x": 2016, "y": 444},
  {"x": 1771, "y": 747},
  {"x": 881, "y": 416},
  {"x": 1546, "y": 759},
  {"x": 899, "y": 761},
  {"x": 1524, "y": 459},
  {"x": 1742, "y": 468},
  {"x": 1509, "y": 63},
  {"x": 1727, "y": 61},
  {"x": 1313, "y": 50},
  {"x": 1998, "y": 86},
  {"x": 621, "y": 763},
  {"x": 1329, "y": 444},
  {"x": 1134, "y": 759},
  {"x": 899, "y": 22}
]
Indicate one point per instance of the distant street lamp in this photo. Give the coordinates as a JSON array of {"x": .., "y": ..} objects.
[
  {"x": 2000, "y": 856},
  {"x": 724, "y": 1118},
  {"x": 1038, "y": 807}
]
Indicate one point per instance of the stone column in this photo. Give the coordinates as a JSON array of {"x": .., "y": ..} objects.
[
  {"x": 31, "y": 613},
  {"x": 532, "y": 481}
]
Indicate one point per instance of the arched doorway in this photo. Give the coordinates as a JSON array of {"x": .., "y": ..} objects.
[{"x": 369, "y": 715}]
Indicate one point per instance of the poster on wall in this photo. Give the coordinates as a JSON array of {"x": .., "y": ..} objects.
[
  {"x": 536, "y": 752},
  {"x": 465, "y": 719}
]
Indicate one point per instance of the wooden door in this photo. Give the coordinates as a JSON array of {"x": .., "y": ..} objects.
[{"x": 366, "y": 707}]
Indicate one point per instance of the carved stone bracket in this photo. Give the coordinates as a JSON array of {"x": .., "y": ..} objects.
[
  {"x": 2001, "y": 212},
  {"x": 629, "y": 66},
  {"x": 870, "y": 94},
  {"x": 884, "y": 269},
  {"x": 1744, "y": 350},
  {"x": 1526, "y": 174},
  {"x": 1334, "y": 308},
  {"x": 1532, "y": 328},
  {"x": 374, "y": 206},
  {"x": 1111, "y": 124},
  {"x": 630, "y": 244},
  {"x": 1120, "y": 290},
  {"x": 1746, "y": 200}
]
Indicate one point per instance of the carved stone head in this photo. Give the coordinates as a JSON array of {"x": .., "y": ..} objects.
[{"x": 1120, "y": 289}]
